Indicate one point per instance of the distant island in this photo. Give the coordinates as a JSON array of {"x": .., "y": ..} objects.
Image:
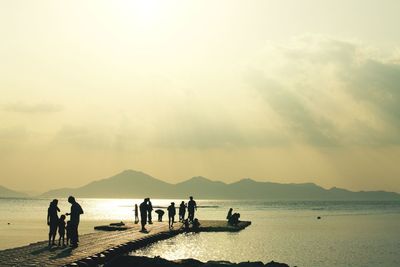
[
  {"x": 135, "y": 184},
  {"x": 8, "y": 193}
]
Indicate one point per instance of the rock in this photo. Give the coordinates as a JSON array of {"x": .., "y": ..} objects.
[
  {"x": 251, "y": 264},
  {"x": 141, "y": 261},
  {"x": 189, "y": 263},
  {"x": 276, "y": 264},
  {"x": 217, "y": 264}
]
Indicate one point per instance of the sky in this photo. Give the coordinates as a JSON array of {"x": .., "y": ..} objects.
[{"x": 287, "y": 91}]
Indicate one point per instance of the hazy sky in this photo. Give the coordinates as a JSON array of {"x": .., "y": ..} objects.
[{"x": 284, "y": 91}]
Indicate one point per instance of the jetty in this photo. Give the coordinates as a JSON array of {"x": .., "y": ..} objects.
[{"x": 106, "y": 243}]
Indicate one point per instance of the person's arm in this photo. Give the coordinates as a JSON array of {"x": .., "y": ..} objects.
[
  {"x": 195, "y": 205},
  {"x": 48, "y": 217}
]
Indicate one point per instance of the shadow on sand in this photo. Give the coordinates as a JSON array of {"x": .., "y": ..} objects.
[
  {"x": 62, "y": 254},
  {"x": 44, "y": 249}
]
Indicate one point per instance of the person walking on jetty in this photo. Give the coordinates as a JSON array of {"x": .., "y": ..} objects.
[
  {"x": 182, "y": 211},
  {"x": 171, "y": 215},
  {"x": 149, "y": 210},
  {"x": 192, "y": 206},
  {"x": 136, "y": 214},
  {"x": 52, "y": 220},
  {"x": 76, "y": 211},
  {"x": 143, "y": 214}
]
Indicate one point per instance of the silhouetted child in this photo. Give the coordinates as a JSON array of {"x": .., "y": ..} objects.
[
  {"x": 196, "y": 225},
  {"x": 185, "y": 225},
  {"x": 234, "y": 219},
  {"x": 160, "y": 214},
  {"x": 182, "y": 211},
  {"x": 69, "y": 232},
  {"x": 61, "y": 230}
]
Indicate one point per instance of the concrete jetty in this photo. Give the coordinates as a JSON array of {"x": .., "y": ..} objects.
[{"x": 102, "y": 245}]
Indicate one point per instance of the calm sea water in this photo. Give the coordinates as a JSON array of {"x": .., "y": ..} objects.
[{"x": 348, "y": 234}]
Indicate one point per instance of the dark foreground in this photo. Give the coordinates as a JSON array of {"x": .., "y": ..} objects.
[
  {"x": 104, "y": 246},
  {"x": 138, "y": 261}
]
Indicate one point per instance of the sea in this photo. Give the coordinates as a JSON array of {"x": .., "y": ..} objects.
[{"x": 348, "y": 233}]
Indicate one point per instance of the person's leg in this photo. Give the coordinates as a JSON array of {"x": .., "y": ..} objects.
[
  {"x": 74, "y": 235},
  {"x": 53, "y": 230},
  {"x": 77, "y": 234},
  {"x": 143, "y": 222}
]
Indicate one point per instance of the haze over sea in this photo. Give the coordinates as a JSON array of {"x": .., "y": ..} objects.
[{"x": 349, "y": 233}]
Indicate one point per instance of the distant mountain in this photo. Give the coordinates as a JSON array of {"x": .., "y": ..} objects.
[
  {"x": 5, "y": 192},
  {"x": 134, "y": 184}
]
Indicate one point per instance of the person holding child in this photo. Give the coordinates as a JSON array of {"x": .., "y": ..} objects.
[{"x": 76, "y": 211}]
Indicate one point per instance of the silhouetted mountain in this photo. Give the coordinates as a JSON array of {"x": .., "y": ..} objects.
[
  {"x": 127, "y": 184},
  {"x": 5, "y": 192},
  {"x": 134, "y": 184}
]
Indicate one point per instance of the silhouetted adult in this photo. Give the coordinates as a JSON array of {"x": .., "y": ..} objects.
[
  {"x": 192, "y": 206},
  {"x": 143, "y": 214},
  {"x": 229, "y": 214},
  {"x": 182, "y": 211},
  {"x": 160, "y": 214},
  {"x": 171, "y": 215},
  {"x": 136, "y": 213},
  {"x": 76, "y": 211},
  {"x": 52, "y": 220},
  {"x": 149, "y": 210}
]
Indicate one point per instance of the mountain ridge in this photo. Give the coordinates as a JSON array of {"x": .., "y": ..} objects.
[
  {"x": 9, "y": 193},
  {"x": 136, "y": 184}
]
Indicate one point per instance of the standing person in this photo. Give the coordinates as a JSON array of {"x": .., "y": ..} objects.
[
  {"x": 76, "y": 211},
  {"x": 171, "y": 215},
  {"x": 192, "y": 206},
  {"x": 143, "y": 214},
  {"x": 61, "y": 230},
  {"x": 149, "y": 210},
  {"x": 182, "y": 211},
  {"x": 136, "y": 214},
  {"x": 52, "y": 220}
]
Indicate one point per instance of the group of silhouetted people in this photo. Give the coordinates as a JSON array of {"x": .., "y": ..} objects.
[
  {"x": 191, "y": 207},
  {"x": 69, "y": 228},
  {"x": 146, "y": 209},
  {"x": 145, "y": 213}
]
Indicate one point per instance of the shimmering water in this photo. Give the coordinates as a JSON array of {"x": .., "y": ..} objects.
[{"x": 349, "y": 233}]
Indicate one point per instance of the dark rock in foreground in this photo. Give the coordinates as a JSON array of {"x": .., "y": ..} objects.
[{"x": 140, "y": 261}]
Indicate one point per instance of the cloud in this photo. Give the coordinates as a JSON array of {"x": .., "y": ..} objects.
[
  {"x": 329, "y": 92},
  {"x": 33, "y": 108},
  {"x": 83, "y": 137}
]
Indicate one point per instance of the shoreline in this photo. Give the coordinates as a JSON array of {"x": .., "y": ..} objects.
[{"x": 142, "y": 261}]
